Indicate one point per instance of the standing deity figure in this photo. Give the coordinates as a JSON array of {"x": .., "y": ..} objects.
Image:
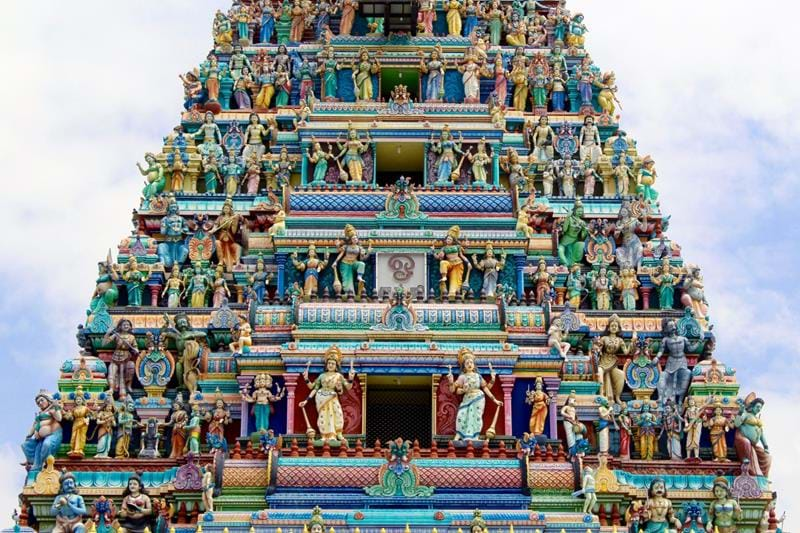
[
  {"x": 319, "y": 158},
  {"x": 480, "y": 160},
  {"x": 600, "y": 288},
  {"x": 451, "y": 263},
  {"x": 322, "y": 20},
  {"x": 259, "y": 281},
  {"x": 558, "y": 90},
  {"x": 218, "y": 418},
  {"x": 44, "y": 437},
  {"x": 80, "y": 414},
  {"x": 207, "y": 488},
  {"x": 724, "y": 510},
  {"x": 225, "y": 227},
  {"x": 328, "y": 69},
  {"x": 362, "y": 71},
  {"x": 516, "y": 30},
  {"x": 471, "y": 71},
  {"x": 589, "y": 141},
  {"x": 454, "y": 23},
  {"x": 646, "y": 180},
  {"x": 623, "y": 176},
  {"x": 220, "y": 292},
  {"x": 605, "y": 420},
  {"x": 156, "y": 180},
  {"x": 577, "y": 32},
  {"x": 672, "y": 425},
  {"x": 569, "y": 416},
  {"x": 211, "y": 175},
  {"x": 435, "y": 69},
  {"x": 588, "y": 489},
  {"x": 718, "y": 426},
  {"x": 125, "y": 423},
  {"x": 106, "y": 422},
  {"x": 351, "y": 154},
  {"x": 590, "y": 177},
  {"x": 542, "y": 281},
  {"x": 576, "y": 286},
  {"x": 210, "y": 70},
  {"x": 238, "y": 62},
  {"x": 427, "y": 16},
  {"x": 350, "y": 262},
  {"x": 298, "y": 22},
  {"x": 199, "y": 286},
  {"x": 104, "y": 289},
  {"x": 539, "y": 402},
  {"x": 283, "y": 86},
  {"x": 188, "y": 347},
  {"x": 136, "y": 510},
  {"x": 262, "y": 396},
  {"x": 177, "y": 170},
  {"x": 749, "y": 439},
  {"x": 120, "y": 372},
  {"x": 625, "y": 424},
  {"x": 542, "y": 140},
  {"x": 68, "y": 507},
  {"x": 676, "y": 376},
  {"x": 447, "y": 163},
  {"x": 607, "y": 97},
  {"x": 496, "y": 17},
  {"x": 658, "y": 514},
  {"x": 209, "y": 131},
  {"x": 311, "y": 269},
  {"x": 694, "y": 294},
  {"x": 646, "y": 423},
  {"x": 567, "y": 172},
  {"x": 474, "y": 389},
  {"x": 629, "y": 252},
  {"x": 573, "y": 233},
  {"x": 193, "y": 431},
  {"x": 252, "y": 176},
  {"x": 693, "y": 424},
  {"x": 501, "y": 76},
  {"x": 628, "y": 283},
  {"x": 519, "y": 77},
  {"x": 222, "y": 31},
  {"x": 539, "y": 82},
  {"x": 491, "y": 268},
  {"x": 267, "y": 22},
  {"x": 255, "y": 136},
  {"x": 325, "y": 390},
  {"x": 349, "y": 8},
  {"x": 609, "y": 347},
  {"x": 586, "y": 79},
  {"x": 178, "y": 419},
  {"x": 233, "y": 175},
  {"x": 666, "y": 281},
  {"x": 173, "y": 250}
]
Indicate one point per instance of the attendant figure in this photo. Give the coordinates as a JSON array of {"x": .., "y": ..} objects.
[
  {"x": 539, "y": 402},
  {"x": 474, "y": 391}
]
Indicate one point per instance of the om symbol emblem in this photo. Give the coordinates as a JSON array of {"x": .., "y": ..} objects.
[{"x": 402, "y": 267}]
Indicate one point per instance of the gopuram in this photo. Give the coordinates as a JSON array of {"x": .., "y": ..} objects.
[{"x": 398, "y": 268}]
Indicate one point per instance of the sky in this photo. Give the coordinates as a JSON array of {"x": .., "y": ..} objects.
[{"x": 707, "y": 88}]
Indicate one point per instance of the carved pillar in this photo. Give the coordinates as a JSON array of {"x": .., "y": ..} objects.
[
  {"x": 425, "y": 151},
  {"x": 645, "y": 293},
  {"x": 304, "y": 164},
  {"x": 551, "y": 385},
  {"x": 155, "y": 292},
  {"x": 225, "y": 92},
  {"x": 280, "y": 259},
  {"x": 239, "y": 293},
  {"x": 519, "y": 268},
  {"x": 507, "y": 384},
  {"x": 374, "y": 151},
  {"x": 496, "y": 166},
  {"x": 245, "y": 380},
  {"x": 560, "y": 293},
  {"x": 290, "y": 383}
]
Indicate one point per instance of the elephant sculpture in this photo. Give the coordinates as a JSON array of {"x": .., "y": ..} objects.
[{"x": 608, "y": 347}]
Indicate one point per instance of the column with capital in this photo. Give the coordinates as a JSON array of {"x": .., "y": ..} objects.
[
  {"x": 280, "y": 260},
  {"x": 551, "y": 385},
  {"x": 507, "y": 384},
  {"x": 155, "y": 292},
  {"x": 519, "y": 268},
  {"x": 290, "y": 384},
  {"x": 245, "y": 380},
  {"x": 304, "y": 163}
]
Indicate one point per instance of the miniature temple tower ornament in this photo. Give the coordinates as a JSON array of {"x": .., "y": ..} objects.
[
  {"x": 399, "y": 476},
  {"x": 474, "y": 391}
]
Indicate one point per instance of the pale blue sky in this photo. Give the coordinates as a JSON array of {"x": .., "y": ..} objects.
[{"x": 708, "y": 89}]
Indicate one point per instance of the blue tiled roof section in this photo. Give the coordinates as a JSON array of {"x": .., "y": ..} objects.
[{"x": 429, "y": 203}]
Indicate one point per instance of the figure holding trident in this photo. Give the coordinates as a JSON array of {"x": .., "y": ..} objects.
[
  {"x": 326, "y": 390},
  {"x": 474, "y": 389}
]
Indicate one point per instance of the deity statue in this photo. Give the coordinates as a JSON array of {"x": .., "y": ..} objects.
[
  {"x": 516, "y": 30},
  {"x": 694, "y": 294},
  {"x": 199, "y": 286},
  {"x": 607, "y": 97},
  {"x": 262, "y": 396},
  {"x": 241, "y": 337},
  {"x": 628, "y": 283},
  {"x": 120, "y": 372},
  {"x": 447, "y": 164},
  {"x": 569, "y": 416},
  {"x": 362, "y": 71},
  {"x": 80, "y": 414},
  {"x": 590, "y": 177},
  {"x": 646, "y": 180},
  {"x": 539, "y": 83},
  {"x": 496, "y": 17},
  {"x": 267, "y": 22},
  {"x": 187, "y": 345},
  {"x": 136, "y": 510},
  {"x": 519, "y": 77},
  {"x": 672, "y": 425},
  {"x": 542, "y": 281},
  {"x": 351, "y": 154},
  {"x": 435, "y": 68},
  {"x": 516, "y": 173},
  {"x": 207, "y": 481},
  {"x": 605, "y": 420},
  {"x": 326, "y": 390},
  {"x": 576, "y": 286},
  {"x": 210, "y": 70},
  {"x": 68, "y": 507},
  {"x": 491, "y": 267},
  {"x": 209, "y": 131},
  {"x": 542, "y": 140},
  {"x": 255, "y": 136},
  {"x": 666, "y": 281},
  {"x": 105, "y": 291},
  {"x": 474, "y": 389},
  {"x": 577, "y": 32},
  {"x": 222, "y": 31},
  {"x": 311, "y": 269},
  {"x": 676, "y": 376},
  {"x": 567, "y": 172},
  {"x": 218, "y": 418},
  {"x": 252, "y": 176},
  {"x": 718, "y": 425},
  {"x": 241, "y": 89},
  {"x": 478, "y": 524},
  {"x": 348, "y": 8},
  {"x": 177, "y": 170},
  {"x": 749, "y": 439},
  {"x": 237, "y": 62},
  {"x": 588, "y": 489},
  {"x": 125, "y": 424},
  {"x": 283, "y": 85},
  {"x": 178, "y": 419},
  {"x": 574, "y": 231},
  {"x": 106, "y": 422},
  {"x": 629, "y": 252},
  {"x": 658, "y": 514},
  {"x": 501, "y": 76},
  {"x": 156, "y": 180},
  {"x": 453, "y": 9},
  {"x": 600, "y": 288},
  {"x": 44, "y": 437},
  {"x": 319, "y": 158},
  {"x": 173, "y": 250},
  {"x": 211, "y": 175},
  {"x": 647, "y": 422},
  {"x": 480, "y": 160},
  {"x": 225, "y": 227},
  {"x": 220, "y": 291},
  {"x": 266, "y": 80},
  {"x": 322, "y": 21},
  {"x": 625, "y": 424},
  {"x": 539, "y": 402},
  {"x": 298, "y": 22},
  {"x": 558, "y": 90},
  {"x": 589, "y": 141},
  {"x": 426, "y": 16},
  {"x": 259, "y": 281},
  {"x": 693, "y": 423},
  {"x": 586, "y": 80},
  {"x": 233, "y": 175},
  {"x": 451, "y": 263},
  {"x": 328, "y": 69},
  {"x": 622, "y": 176},
  {"x": 350, "y": 261},
  {"x": 471, "y": 71},
  {"x": 609, "y": 347},
  {"x": 723, "y": 510},
  {"x": 555, "y": 339},
  {"x": 193, "y": 430}
]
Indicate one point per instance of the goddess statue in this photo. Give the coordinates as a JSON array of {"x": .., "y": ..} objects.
[
  {"x": 220, "y": 291},
  {"x": 258, "y": 282},
  {"x": 120, "y": 372},
  {"x": 218, "y": 418},
  {"x": 471, "y": 71},
  {"x": 106, "y": 421},
  {"x": 254, "y": 137},
  {"x": 646, "y": 180},
  {"x": 574, "y": 231},
  {"x": 104, "y": 289},
  {"x": 453, "y": 9},
  {"x": 222, "y": 32},
  {"x": 724, "y": 510},
  {"x": 542, "y": 281},
  {"x": 44, "y": 437},
  {"x": 607, "y": 97},
  {"x": 672, "y": 426},
  {"x": 325, "y": 390},
  {"x": 658, "y": 513},
  {"x": 625, "y": 431},
  {"x": 178, "y": 419},
  {"x": 627, "y": 283},
  {"x": 80, "y": 414},
  {"x": 125, "y": 423},
  {"x": 199, "y": 286},
  {"x": 576, "y": 286},
  {"x": 267, "y": 22},
  {"x": 136, "y": 511},
  {"x": 605, "y": 419},
  {"x": 156, "y": 180},
  {"x": 666, "y": 281},
  {"x": 501, "y": 76},
  {"x": 475, "y": 390},
  {"x": 209, "y": 131},
  {"x": 298, "y": 22},
  {"x": 749, "y": 439},
  {"x": 349, "y": 8},
  {"x": 491, "y": 267},
  {"x": 519, "y": 77},
  {"x": 173, "y": 249},
  {"x": 311, "y": 269},
  {"x": 629, "y": 252},
  {"x": 601, "y": 285},
  {"x": 446, "y": 163},
  {"x": 586, "y": 79},
  {"x": 320, "y": 158},
  {"x": 177, "y": 170},
  {"x": 496, "y": 17},
  {"x": 471, "y": 10},
  {"x": 283, "y": 86},
  {"x": 539, "y": 402},
  {"x": 694, "y": 294},
  {"x": 542, "y": 140},
  {"x": 435, "y": 69},
  {"x": 350, "y": 261},
  {"x": 718, "y": 425},
  {"x": 610, "y": 346},
  {"x": 225, "y": 227},
  {"x": 362, "y": 71},
  {"x": 451, "y": 263},
  {"x": 328, "y": 69},
  {"x": 351, "y": 154},
  {"x": 693, "y": 423},
  {"x": 262, "y": 396},
  {"x": 68, "y": 507},
  {"x": 646, "y": 422},
  {"x": 569, "y": 416},
  {"x": 480, "y": 160}
]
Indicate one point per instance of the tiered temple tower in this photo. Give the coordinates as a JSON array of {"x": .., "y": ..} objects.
[{"x": 398, "y": 262}]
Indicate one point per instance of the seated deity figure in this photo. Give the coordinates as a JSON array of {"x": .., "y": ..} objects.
[
  {"x": 45, "y": 435},
  {"x": 68, "y": 507}
]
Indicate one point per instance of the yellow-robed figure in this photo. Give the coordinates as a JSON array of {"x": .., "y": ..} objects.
[
  {"x": 451, "y": 263},
  {"x": 326, "y": 390}
]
